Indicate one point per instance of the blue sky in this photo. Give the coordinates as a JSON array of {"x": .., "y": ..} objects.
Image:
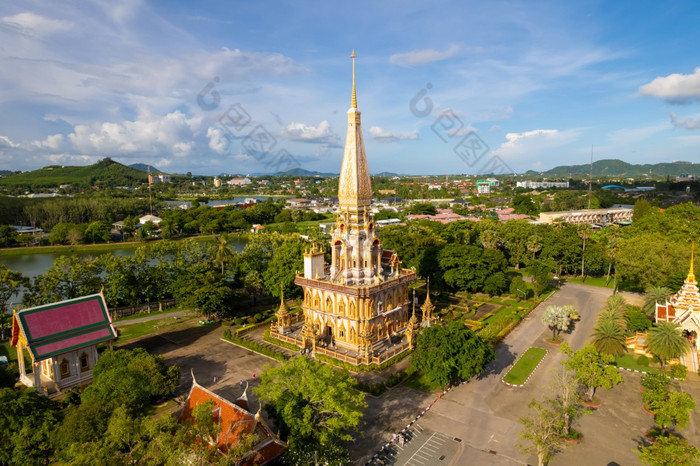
[{"x": 443, "y": 86}]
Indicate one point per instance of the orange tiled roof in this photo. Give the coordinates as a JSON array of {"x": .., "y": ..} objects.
[{"x": 235, "y": 421}]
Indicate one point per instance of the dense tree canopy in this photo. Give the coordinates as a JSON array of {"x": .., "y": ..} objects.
[
  {"x": 314, "y": 403},
  {"x": 451, "y": 352}
]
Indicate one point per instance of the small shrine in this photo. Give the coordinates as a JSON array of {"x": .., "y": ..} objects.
[{"x": 62, "y": 340}]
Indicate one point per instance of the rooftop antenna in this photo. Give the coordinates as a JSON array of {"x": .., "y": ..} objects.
[{"x": 590, "y": 180}]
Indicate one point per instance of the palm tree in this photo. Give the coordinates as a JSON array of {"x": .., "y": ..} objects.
[
  {"x": 666, "y": 341},
  {"x": 224, "y": 253},
  {"x": 653, "y": 295},
  {"x": 534, "y": 245},
  {"x": 609, "y": 337},
  {"x": 584, "y": 232},
  {"x": 489, "y": 239}
]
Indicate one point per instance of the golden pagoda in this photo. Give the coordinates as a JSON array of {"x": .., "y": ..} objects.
[
  {"x": 360, "y": 299},
  {"x": 428, "y": 307}
]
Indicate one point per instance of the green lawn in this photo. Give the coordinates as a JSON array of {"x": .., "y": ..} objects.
[
  {"x": 630, "y": 361},
  {"x": 518, "y": 374},
  {"x": 130, "y": 332},
  {"x": 146, "y": 314},
  {"x": 420, "y": 381}
]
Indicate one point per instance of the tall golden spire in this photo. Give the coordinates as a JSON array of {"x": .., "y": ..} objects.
[
  {"x": 354, "y": 186},
  {"x": 353, "y": 103}
]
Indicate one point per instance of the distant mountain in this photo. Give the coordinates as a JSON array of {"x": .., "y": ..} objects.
[
  {"x": 616, "y": 167},
  {"x": 303, "y": 172},
  {"x": 144, "y": 167},
  {"x": 106, "y": 172},
  {"x": 5, "y": 172}
]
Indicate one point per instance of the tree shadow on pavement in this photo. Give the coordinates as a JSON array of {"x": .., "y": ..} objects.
[
  {"x": 504, "y": 358},
  {"x": 166, "y": 341}
]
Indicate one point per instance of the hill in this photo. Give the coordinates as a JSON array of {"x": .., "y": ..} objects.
[
  {"x": 616, "y": 167},
  {"x": 106, "y": 172},
  {"x": 144, "y": 167}
]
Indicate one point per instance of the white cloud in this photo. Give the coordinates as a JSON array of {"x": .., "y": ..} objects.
[
  {"x": 321, "y": 133},
  {"x": 422, "y": 57},
  {"x": 687, "y": 123},
  {"x": 675, "y": 87},
  {"x": 382, "y": 135},
  {"x": 35, "y": 25},
  {"x": 217, "y": 141},
  {"x": 52, "y": 142},
  {"x": 6, "y": 143},
  {"x": 148, "y": 134},
  {"x": 532, "y": 143}
]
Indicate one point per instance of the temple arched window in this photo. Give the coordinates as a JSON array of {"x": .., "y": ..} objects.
[
  {"x": 84, "y": 362},
  {"x": 64, "y": 368}
]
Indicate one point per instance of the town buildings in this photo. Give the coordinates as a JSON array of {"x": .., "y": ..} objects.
[
  {"x": 542, "y": 184},
  {"x": 590, "y": 216}
]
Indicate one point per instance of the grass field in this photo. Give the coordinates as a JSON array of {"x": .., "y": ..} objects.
[
  {"x": 420, "y": 381},
  {"x": 131, "y": 332},
  {"x": 519, "y": 373},
  {"x": 629, "y": 361}
]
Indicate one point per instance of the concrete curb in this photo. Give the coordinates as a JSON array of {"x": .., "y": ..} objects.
[
  {"x": 644, "y": 372},
  {"x": 529, "y": 376}
]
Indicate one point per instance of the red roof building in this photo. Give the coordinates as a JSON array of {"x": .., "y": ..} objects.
[
  {"x": 62, "y": 341},
  {"x": 235, "y": 420}
]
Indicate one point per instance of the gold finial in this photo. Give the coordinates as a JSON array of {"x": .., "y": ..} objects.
[
  {"x": 691, "y": 272},
  {"x": 353, "y": 104},
  {"x": 282, "y": 293}
]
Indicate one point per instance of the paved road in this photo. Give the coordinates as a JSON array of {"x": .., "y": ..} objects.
[{"x": 484, "y": 413}]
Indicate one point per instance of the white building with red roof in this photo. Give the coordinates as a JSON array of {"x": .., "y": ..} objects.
[{"x": 61, "y": 339}]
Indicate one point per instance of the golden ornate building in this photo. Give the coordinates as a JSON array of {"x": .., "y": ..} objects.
[{"x": 360, "y": 300}]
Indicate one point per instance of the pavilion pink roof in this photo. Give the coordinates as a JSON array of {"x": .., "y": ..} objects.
[{"x": 57, "y": 328}]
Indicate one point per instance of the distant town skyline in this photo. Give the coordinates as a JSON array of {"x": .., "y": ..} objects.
[{"x": 452, "y": 87}]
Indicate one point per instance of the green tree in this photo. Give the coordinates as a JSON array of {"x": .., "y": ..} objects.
[
  {"x": 541, "y": 431},
  {"x": 28, "y": 422},
  {"x": 672, "y": 410},
  {"x": 557, "y": 318},
  {"x": 288, "y": 259},
  {"x": 147, "y": 230},
  {"x": 315, "y": 403},
  {"x": 670, "y": 451},
  {"x": 584, "y": 231},
  {"x": 592, "y": 369},
  {"x": 8, "y": 236},
  {"x": 534, "y": 245},
  {"x": 519, "y": 288},
  {"x": 642, "y": 208},
  {"x": 636, "y": 320},
  {"x": 205, "y": 290},
  {"x": 10, "y": 283},
  {"x": 609, "y": 337},
  {"x": 666, "y": 341},
  {"x": 253, "y": 284},
  {"x": 70, "y": 277},
  {"x": 654, "y": 295},
  {"x": 451, "y": 352},
  {"x": 129, "y": 227},
  {"x": 224, "y": 252},
  {"x": 99, "y": 231},
  {"x": 541, "y": 275}
]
